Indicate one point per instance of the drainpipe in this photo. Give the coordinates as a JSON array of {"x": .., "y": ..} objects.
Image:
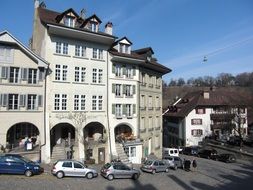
[
  {"x": 45, "y": 90},
  {"x": 107, "y": 109}
]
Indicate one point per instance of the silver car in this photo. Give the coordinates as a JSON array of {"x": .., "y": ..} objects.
[
  {"x": 64, "y": 168},
  {"x": 119, "y": 170},
  {"x": 174, "y": 162},
  {"x": 154, "y": 166}
]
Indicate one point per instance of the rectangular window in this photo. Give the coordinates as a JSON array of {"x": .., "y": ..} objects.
[
  {"x": 118, "y": 72},
  {"x": 100, "y": 103},
  {"x": 129, "y": 72},
  {"x": 100, "y": 76},
  {"x": 32, "y": 76},
  {"x": 58, "y": 47},
  {"x": 95, "y": 53},
  {"x": 150, "y": 122},
  {"x": 14, "y": 74},
  {"x": 118, "y": 90},
  {"x": 200, "y": 110},
  {"x": 94, "y": 75},
  {"x": 128, "y": 110},
  {"x": 60, "y": 102},
  {"x": 150, "y": 102},
  {"x": 128, "y": 90},
  {"x": 65, "y": 49},
  {"x": 94, "y": 102},
  {"x": 61, "y": 72},
  {"x": 196, "y": 121},
  {"x": 80, "y": 73},
  {"x": 69, "y": 21},
  {"x": 118, "y": 111},
  {"x": 79, "y": 102},
  {"x": 100, "y": 54},
  {"x": 142, "y": 101},
  {"x": 197, "y": 132},
  {"x": 13, "y": 101},
  {"x": 142, "y": 123},
  {"x": 32, "y": 102},
  {"x": 80, "y": 51}
]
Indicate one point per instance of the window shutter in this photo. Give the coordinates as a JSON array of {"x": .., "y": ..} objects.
[
  {"x": 134, "y": 90},
  {"x": 124, "y": 109},
  {"x": 40, "y": 100},
  {"x": 134, "y": 108},
  {"x": 4, "y": 100},
  {"x": 113, "y": 68},
  {"x": 113, "y": 108},
  {"x": 24, "y": 73},
  {"x": 124, "y": 70},
  {"x": 113, "y": 88},
  {"x": 22, "y": 100},
  {"x": 134, "y": 71},
  {"x": 124, "y": 89},
  {"x": 41, "y": 75},
  {"x": 4, "y": 72}
]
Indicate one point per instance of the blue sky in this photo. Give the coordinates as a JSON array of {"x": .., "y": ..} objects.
[{"x": 181, "y": 32}]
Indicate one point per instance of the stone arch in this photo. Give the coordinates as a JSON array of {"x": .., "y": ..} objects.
[{"x": 18, "y": 133}]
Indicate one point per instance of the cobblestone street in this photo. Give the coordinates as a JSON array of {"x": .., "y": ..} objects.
[{"x": 209, "y": 175}]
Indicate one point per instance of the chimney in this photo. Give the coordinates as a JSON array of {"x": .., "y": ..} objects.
[
  {"x": 206, "y": 95},
  {"x": 108, "y": 28},
  {"x": 36, "y": 4}
]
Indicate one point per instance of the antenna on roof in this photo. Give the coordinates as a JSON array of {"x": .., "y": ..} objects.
[
  {"x": 43, "y": 5},
  {"x": 82, "y": 13}
]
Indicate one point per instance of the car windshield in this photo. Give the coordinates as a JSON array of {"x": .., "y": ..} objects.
[
  {"x": 25, "y": 159},
  {"x": 148, "y": 162},
  {"x": 106, "y": 166}
]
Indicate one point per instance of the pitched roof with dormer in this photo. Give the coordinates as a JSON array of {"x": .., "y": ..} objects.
[{"x": 196, "y": 99}]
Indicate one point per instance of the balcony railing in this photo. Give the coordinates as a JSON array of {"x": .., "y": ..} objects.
[{"x": 222, "y": 117}]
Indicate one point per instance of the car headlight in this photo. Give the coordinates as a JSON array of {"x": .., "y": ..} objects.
[{"x": 36, "y": 167}]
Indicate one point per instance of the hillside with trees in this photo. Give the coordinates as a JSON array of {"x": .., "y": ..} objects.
[{"x": 241, "y": 85}]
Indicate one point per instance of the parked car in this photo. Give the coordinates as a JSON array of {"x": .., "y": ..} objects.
[
  {"x": 208, "y": 153},
  {"x": 119, "y": 170},
  {"x": 154, "y": 166},
  {"x": 17, "y": 164},
  {"x": 67, "y": 167},
  {"x": 191, "y": 150},
  {"x": 228, "y": 158},
  {"x": 174, "y": 162},
  {"x": 234, "y": 140}
]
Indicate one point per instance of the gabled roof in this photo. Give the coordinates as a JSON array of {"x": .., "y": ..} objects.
[
  {"x": 119, "y": 40},
  {"x": 59, "y": 17},
  {"x": 89, "y": 18},
  {"x": 144, "y": 50},
  {"x": 7, "y": 37},
  {"x": 49, "y": 17},
  {"x": 196, "y": 99}
]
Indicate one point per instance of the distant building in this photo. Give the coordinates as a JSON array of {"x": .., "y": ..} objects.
[{"x": 203, "y": 114}]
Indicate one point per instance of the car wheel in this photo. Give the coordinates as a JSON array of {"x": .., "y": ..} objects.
[
  {"x": 28, "y": 173},
  {"x": 167, "y": 170},
  {"x": 59, "y": 175},
  {"x": 89, "y": 175},
  {"x": 110, "y": 177},
  {"x": 153, "y": 171},
  {"x": 135, "y": 176}
]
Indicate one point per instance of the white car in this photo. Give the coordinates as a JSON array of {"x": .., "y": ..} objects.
[{"x": 64, "y": 168}]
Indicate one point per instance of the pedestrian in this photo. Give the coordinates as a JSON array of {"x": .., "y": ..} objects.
[{"x": 194, "y": 165}]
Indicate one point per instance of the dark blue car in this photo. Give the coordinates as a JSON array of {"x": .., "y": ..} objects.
[{"x": 17, "y": 164}]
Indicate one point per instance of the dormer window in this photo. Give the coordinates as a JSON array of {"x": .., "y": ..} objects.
[
  {"x": 124, "y": 48},
  {"x": 69, "y": 21},
  {"x": 93, "y": 27}
]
